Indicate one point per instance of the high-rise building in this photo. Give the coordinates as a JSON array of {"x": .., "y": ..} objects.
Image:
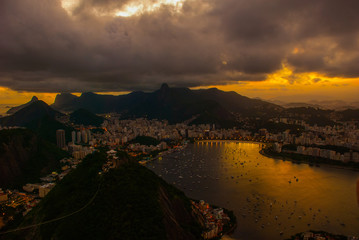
[
  {"x": 60, "y": 138},
  {"x": 78, "y": 137},
  {"x": 73, "y": 135},
  {"x": 89, "y": 137},
  {"x": 84, "y": 136}
]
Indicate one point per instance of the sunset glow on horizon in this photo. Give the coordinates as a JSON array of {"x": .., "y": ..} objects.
[
  {"x": 297, "y": 51},
  {"x": 282, "y": 85}
]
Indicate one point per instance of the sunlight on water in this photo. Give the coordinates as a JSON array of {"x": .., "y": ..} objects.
[{"x": 268, "y": 196}]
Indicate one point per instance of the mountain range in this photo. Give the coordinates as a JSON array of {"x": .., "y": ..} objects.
[
  {"x": 174, "y": 104},
  {"x": 17, "y": 108},
  {"x": 205, "y": 106},
  {"x": 38, "y": 117},
  {"x": 324, "y": 104},
  {"x": 32, "y": 111}
]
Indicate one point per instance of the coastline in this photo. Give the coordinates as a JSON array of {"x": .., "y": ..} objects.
[
  {"x": 230, "y": 231},
  {"x": 164, "y": 153},
  {"x": 309, "y": 162},
  {"x": 229, "y": 140},
  {"x": 254, "y": 151},
  {"x": 233, "y": 218}
]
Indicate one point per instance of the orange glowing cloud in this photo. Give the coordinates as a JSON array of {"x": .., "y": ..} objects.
[
  {"x": 284, "y": 84},
  {"x": 8, "y": 96},
  {"x": 292, "y": 86}
]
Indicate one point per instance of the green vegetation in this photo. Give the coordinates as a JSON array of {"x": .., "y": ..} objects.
[
  {"x": 128, "y": 205},
  {"x": 349, "y": 115},
  {"x": 86, "y": 118},
  {"x": 290, "y": 147},
  {"x": 24, "y": 157},
  {"x": 145, "y": 140},
  {"x": 98, "y": 130},
  {"x": 46, "y": 128},
  {"x": 277, "y": 127},
  {"x": 310, "y": 115}
]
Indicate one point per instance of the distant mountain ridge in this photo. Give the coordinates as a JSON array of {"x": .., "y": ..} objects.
[
  {"x": 33, "y": 111},
  {"x": 205, "y": 106},
  {"x": 326, "y": 105},
  {"x": 17, "y": 108},
  {"x": 38, "y": 117},
  {"x": 174, "y": 104}
]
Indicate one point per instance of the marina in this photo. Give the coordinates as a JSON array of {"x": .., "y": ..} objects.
[{"x": 272, "y": 199}]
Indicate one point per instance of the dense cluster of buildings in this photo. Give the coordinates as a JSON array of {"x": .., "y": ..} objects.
[
  {"x": 80, "y": 146},
  {"x": 115, "y": 133},
  {"x": 120, "y": 132},
  {"x": 329, "y": 154},
  {"x": 13, "y": 199},
  {"x": 314, "y": 141},
  {"x": 213, "y": 219},
  {"x": 345, "y": 134},
  {"x": 24, "y": 201}
]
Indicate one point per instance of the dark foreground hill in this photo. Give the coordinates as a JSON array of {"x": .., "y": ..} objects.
[
  {"x": 129, "y": 202},
  {"x": 24, "y": 157}
]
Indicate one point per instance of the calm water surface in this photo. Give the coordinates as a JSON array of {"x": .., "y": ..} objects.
[{"x": 268, "y": 196}]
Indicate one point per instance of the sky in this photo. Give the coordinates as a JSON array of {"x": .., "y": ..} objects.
[{"x": 299, "y": 50}]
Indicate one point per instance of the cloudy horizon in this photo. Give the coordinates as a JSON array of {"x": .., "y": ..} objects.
[{"x": 257, "y": 48}]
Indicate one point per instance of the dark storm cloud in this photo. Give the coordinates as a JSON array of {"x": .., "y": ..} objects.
[{"x": 211, "y": 42}]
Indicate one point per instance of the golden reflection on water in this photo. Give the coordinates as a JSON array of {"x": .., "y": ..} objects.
[{"x": 267, "y": 195}]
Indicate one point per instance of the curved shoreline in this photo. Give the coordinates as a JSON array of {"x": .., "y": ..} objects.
[
  {"x": 231, "y": 230},
  {"x": 254, "y": 151},
  {"x": 284, "y": 158},
  {"x": 228, "y": 140}
]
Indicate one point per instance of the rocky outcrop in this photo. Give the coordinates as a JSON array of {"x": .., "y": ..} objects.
[
  {"x": 177, "y": 217},
  {"x": 17, "y": 108},
  {"x": 24, "y": 156}
]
